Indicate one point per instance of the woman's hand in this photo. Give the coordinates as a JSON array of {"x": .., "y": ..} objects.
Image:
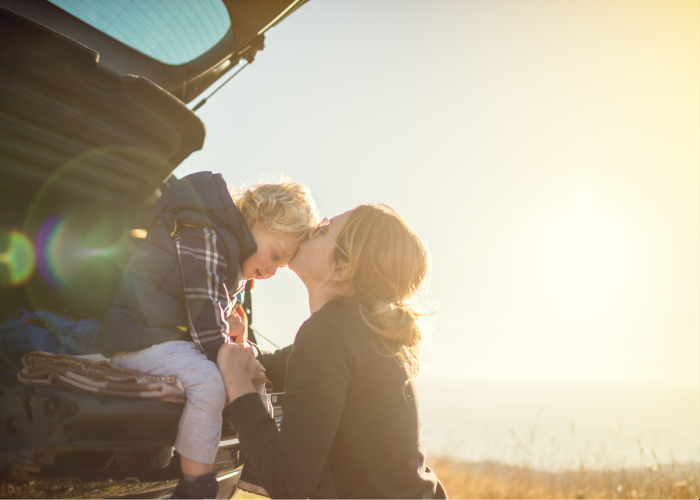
[{"x": 239, "y": 369}]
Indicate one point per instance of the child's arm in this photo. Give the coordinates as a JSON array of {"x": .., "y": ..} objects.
[{"x": 204, "y": 270}]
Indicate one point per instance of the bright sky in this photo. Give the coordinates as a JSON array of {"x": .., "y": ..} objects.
[{"x": 547, "y": 152}]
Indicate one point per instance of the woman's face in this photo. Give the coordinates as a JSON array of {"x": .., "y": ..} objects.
[{"x": 313, "y": 262}]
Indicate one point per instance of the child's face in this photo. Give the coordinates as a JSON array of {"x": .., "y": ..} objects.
[{"x": 274, "y": 251}]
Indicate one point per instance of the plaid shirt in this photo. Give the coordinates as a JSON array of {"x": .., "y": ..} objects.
[{"x": 204, "y": 272}]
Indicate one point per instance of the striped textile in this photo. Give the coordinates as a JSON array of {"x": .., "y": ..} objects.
[
  {"x": 204, "y": 271},
  {"x": 97, "y": 377}
]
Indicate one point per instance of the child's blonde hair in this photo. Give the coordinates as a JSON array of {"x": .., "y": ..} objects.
[{"x": 285, "y": 208}]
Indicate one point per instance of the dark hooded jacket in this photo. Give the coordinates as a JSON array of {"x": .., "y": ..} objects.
[{"x": 149, "y": 307}]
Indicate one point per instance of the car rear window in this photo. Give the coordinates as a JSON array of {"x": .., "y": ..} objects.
[{"x": 170, "y": 31}]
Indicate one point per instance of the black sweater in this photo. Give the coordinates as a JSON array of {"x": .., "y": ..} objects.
[{"x": 350, "y": 426}]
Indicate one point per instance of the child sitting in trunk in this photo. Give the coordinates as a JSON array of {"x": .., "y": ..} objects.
[{"x": 173, "y": 306}]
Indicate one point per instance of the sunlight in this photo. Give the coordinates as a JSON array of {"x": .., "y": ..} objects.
[{"x": 584, "y": 255}]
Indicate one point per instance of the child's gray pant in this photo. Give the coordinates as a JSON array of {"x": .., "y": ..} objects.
[{"x": 200, "y": 425}]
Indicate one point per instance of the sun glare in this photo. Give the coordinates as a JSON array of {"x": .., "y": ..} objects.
[{"x": 584, "y": 255}]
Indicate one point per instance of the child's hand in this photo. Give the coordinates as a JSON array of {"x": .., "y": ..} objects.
[{"x": 238, "y": 325}]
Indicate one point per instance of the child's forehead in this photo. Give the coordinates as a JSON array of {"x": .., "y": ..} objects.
[{"x": 287, "y": 244}]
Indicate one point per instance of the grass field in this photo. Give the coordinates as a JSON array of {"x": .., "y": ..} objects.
[
  {"x": 495, "y": 480},
  {"x": 461, "y": 479}
]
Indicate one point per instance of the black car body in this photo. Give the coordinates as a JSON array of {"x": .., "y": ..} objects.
[{"x": 91, "y": 130}]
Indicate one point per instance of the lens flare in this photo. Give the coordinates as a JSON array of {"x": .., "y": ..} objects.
[
  {"x": 79, "y": 219},
  {"x": 45, "y": 243},
  {"x": 64, "y": 246},
  {"x": 17, "y": 258}
]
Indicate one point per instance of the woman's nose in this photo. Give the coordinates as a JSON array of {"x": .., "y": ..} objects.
[{"x": 271, "y": 271}]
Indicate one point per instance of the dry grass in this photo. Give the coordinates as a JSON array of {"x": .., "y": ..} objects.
[
  {"x": 19, "y": 484},
  {"x": 461, "y": 480},
  {"x": 495, "y": 480},
  {"x": 246, "y": 495}
]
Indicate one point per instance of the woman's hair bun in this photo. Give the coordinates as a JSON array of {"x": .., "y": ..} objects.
[{"x": 387, "y": 263}]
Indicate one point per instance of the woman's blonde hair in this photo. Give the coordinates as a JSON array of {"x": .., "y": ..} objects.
[
  {"x": 387, "y": 263},
  {"x": 285, "y": 208}
]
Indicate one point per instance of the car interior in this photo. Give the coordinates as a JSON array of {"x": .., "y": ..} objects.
[{"x": 95, "y": 119}]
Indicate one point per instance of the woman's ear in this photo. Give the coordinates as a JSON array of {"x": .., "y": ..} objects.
[{"x": 341, "y": 272}]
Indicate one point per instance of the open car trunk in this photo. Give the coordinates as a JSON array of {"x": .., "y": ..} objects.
[
  {"x": 84, "y": 154},
  {"x": 180, "y": 46}
]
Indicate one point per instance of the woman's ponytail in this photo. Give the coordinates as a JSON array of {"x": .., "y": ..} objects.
[
  {"x": 396, "y": 324},
  {"x": 387, "y": 263}
]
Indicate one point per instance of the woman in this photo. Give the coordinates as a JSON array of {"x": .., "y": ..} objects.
[{"x": 351, "y": 426}]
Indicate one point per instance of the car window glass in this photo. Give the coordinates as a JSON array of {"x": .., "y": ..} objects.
[{"x": 170, "y": 31}]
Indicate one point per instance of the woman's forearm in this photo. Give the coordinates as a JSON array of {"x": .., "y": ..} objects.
[
  {"x": 275, "y": 364},
  {"x": 235, "y": 391},
  {"x": 289, "y": 462}
]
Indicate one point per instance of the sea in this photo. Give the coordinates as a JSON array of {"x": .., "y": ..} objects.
[{"x": 561, "y": 426}]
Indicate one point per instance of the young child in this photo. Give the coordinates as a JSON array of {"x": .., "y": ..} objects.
[{"x": 169, "y": 315}]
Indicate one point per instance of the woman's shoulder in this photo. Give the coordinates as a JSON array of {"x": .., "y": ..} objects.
[
  {"x": 327, "y": 338},
  {"x": 339, "y": 317},
  {"x": 341, "y": 313}
]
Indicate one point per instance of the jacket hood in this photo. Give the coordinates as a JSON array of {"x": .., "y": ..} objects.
[{"x": 203, "y": 199}]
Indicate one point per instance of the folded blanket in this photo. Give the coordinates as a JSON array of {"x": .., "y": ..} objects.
[{"x": 100, "y": 378}]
